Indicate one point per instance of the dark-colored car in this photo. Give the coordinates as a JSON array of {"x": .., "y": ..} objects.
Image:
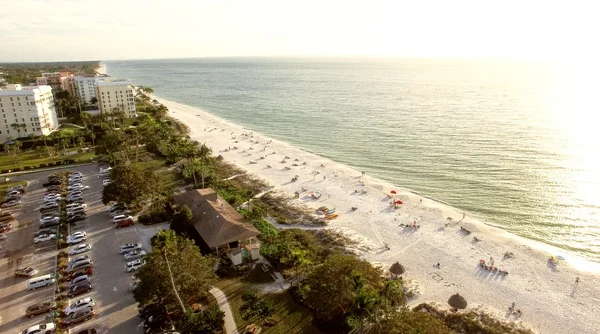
[
  {"x": 81, "y": 271},
  {"x": 25, "y": 272},
  {"x": 49, "y": 224},
  {"x": 76, "y": 218},
  {"x": 80, "y": 315},
  {"x": 5, "y": 227},
  {"x": 45, "y": 231},
  {"x": 157, "y": 322},
  {"x": 124, "y": 223},
  {"x": 88, "y": 331},
  {"x": 79, "y": 289},
  {"x": 39, "y": 308},
  {"x": 150, "y": 309}
]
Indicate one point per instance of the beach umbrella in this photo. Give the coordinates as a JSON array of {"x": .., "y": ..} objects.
[
  {"x": 397, "y": 269},
  {"x": 457, "y": 301},
  {"x": 393, "y": 192}
]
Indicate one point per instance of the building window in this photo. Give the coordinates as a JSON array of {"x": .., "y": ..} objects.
[{"x": 8, "y": 131}]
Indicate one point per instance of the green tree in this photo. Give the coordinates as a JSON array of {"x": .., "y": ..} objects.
[
  {"x": 130, "y": 185},
  {"x": 408, "y": 322},
  {"x": 181, "y": 220},
  {"x": 209, "y": 321},
  {"x": 333, "y": 289},
  {"x": 7, "y": 148},
  {"x": 175, "y": 270},
  {"x": 93, "y": 101},
  {"x": 255, "y": 308},
  {"x": 114, "y": 144}
]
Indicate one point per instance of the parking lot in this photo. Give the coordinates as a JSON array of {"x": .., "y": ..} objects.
[{"x": 115, "y": 309}]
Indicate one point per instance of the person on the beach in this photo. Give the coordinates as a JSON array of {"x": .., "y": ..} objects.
[
  {"x": 414, "y": 224},
  {"x": 421, "y": 200},
  {"x": 577, "y": 280},
  {"x": 492, "y": 260},
  {"x": 512, "y": 306}
]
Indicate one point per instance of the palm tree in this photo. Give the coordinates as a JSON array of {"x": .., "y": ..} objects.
[
  {"x": 93, "y": 137},
  {"x": 45, "y": 138},
  {"x": 18, "y": 146},
  {"x": 81, "y": 142},
  {"x": 7, "y": 147}
]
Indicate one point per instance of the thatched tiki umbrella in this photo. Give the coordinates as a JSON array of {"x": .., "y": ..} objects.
[
  {"x": 397, "y": 269},
  {"x": 457, "y": 301}
]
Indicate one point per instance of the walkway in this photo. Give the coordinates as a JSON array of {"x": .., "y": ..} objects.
[{"x": 230, "y": 327}]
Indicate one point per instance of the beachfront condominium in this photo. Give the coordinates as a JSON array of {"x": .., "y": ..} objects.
[
  {"x": 26, "y": 111},
  {"x": 62, "y": 80},
  {"x": 85, "y": 87},
  {"x": 116, "y": 96}
]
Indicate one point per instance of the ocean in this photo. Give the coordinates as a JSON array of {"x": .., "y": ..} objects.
[{"x": 513, "y": 143}]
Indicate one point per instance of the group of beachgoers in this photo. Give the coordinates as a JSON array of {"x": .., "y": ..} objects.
[{"x": 491, "y": 267}]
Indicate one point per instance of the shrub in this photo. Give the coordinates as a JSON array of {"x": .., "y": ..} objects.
[
  {"x": 27, "y": 167},
  {"x": 43, "y": 165},
  {"x": 154, "y": 217},
  {"x": 4, "y": 171}
]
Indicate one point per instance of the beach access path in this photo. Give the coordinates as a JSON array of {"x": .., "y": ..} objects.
[
  {"x": 230, "y": 327},
  {"x": 548, "y": 297}
]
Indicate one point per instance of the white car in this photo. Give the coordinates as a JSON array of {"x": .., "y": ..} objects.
[
  {"x": 126, "y": 248},
  {"x": 74, "y": 205},
  {"x": 75, "y": 210},
  {"x": 79, "y": 279},
  {"x": 77, "y": 259},
  {"x": 80, "y": 249},
  {"x": 134, "y": 265},
  {"x": 40, "y": 329},
  {"x": 49, "y": 219},
  {"x": 134, "y": 255},
  {"x": 133, "y": 285},
  {"x": 49, "y": 205},
  {"x": 105, "y": 182},
  {"x": 121, "y": 217},
  {"x": 52, "y": 197},
  {"x": 44, "y": 238},
  {"x": 85, "y": 302},
  {"x": 76, "y": 237}
]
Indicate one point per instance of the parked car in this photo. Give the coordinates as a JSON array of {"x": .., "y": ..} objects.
[
  {"x": 76, "y": 204},
  {"x": 49, "y": 219},
  {"x": 13, "y": 193},
  {"x": 77, "y": 209},
  {"x": 39, "y": 308},
  {"x": 126, "y": 248},
  {"x": 20, "y": 188},
  {"x": 47, "y": 328},
  {"x": 105, "y": 182},
  {"x": 49, "y": 224},
  {"x": 5, "y": 227},
  {"x": 44, "y": 238},
  {"x": 80, "y": 249},
  {"x": 76, "y": 217},
  {"x": 49, "y": 205},
  {"x": 78, "y": 186},
  {"x": 79, "y": 279},
  {"x": 133, "y": 285},
  {"x": 121, "y": 217},
  {"x": 77, "y": 259},
  {"x": 76, "y": 237},
  {"x": 80, "y": 315},
  {"x": 88, "y": 331},
  {"x": 81, "y": 271},
  {"x": 79, "y": 289},
  {"x": 151, "y": 309},
  {"x": 81, "y": 303},
  {"x": 25, "y": 272},
  {"x": 74, "y": 198},
  {"x": 134, "y": 255},
  {"x": 124, "y": 223},
  {"x": 11, "y": 204},
  {"x": 45, "y": 231},
  {"x": 7, "y": 216},
  {"x": 134, "y": 265},
  {"x": 79, "y": 265}
]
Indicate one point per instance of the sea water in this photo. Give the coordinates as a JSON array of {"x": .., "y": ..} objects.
[{"x": 515, "y": 144}]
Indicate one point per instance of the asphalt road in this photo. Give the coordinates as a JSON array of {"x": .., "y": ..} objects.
[{"x": 116, "y": 311}]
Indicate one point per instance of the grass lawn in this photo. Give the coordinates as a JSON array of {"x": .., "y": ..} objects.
[
  {"x": 35, "y": 158},
  {"x": 292, "y": 317},
  {"x": 6, "y": 185}
]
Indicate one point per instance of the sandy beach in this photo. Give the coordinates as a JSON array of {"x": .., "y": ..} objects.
[{"x": 547, "y": 295}]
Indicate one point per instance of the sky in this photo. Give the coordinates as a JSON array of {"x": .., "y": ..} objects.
[{"x": 58, "y": 30}]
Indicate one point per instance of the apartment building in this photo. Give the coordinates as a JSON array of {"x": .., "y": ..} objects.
[
  {"x": 116, "y": 95},
  {"x": 85, "y": 87},
  {"x": 56, "y": 80},
  {"x": 25, "y": 111}
]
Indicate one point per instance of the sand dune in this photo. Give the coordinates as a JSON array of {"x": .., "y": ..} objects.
[{"x": 547, "y": 295}]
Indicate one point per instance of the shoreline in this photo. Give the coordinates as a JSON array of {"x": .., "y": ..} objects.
[{"x": 532, "y": 283}]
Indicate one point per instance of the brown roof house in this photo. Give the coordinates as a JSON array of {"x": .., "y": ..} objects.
[{"x": 220, "y": 226}]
